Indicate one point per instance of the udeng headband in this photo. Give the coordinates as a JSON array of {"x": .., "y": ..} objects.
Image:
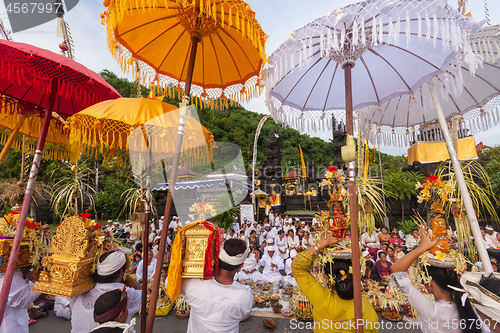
[{"x": 235, "y": 260}]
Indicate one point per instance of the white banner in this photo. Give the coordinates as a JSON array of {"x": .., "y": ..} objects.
[{"x": 246, "y": 212}]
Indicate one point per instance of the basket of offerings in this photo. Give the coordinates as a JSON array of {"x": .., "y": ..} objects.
[
  {"x": 392, "y": 301},
  {"x": 182, "y": 309},
  {"x": 34, "y": 244},
  {"x": 260, "y": 300},
  {"x": 274, "y": 300},
  {"x": 373, "y": 294},
  {"x": 409, "y": 313},
  {"x": 301, "y": 306},
  {"x": 75, "y": 249}
]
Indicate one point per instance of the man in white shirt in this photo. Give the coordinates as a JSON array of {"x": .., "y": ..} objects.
[
  {"x": 412, "y": 240},
  {"x": 288, "y": 226},
  {"x": 490, "y": 232},
  {"x": 314, "y": 220},
  {"x": 272, "y": 263},
  {"x": 236, "y": 225},
  {"x": 250, "y": 269},
  {"x": 263, "y": 236},
  {"x": 304, "y": 226},
  {"x": 287, "y": 219},
  {"x": 218, "y": 305},
  {"x": 288, "y": 269},
  {"x": 271, "y": 218},
  {"x": 231, "y": 234},
  {"x": 21, "y": 295}
]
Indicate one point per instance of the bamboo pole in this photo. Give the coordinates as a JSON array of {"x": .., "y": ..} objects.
[
  {"x": 171, "y": 188},
  {"x": 11, "y": 266},
  {"x": 469, "y": 208},
  {"x": 145, "y": 236},
  {"x": 353, "y": 205}
]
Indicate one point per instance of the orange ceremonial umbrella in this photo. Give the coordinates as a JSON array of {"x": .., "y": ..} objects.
[{"x": 215, "y": 48}]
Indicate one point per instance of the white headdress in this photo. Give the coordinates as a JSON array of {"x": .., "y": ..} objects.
[
  {"x": 112, "y": 263},
  {"x": 482, "y": 299},
  {"x": 127, "y": 328},
  {"x": 233, "y": 260}
]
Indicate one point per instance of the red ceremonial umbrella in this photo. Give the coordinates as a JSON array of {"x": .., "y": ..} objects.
[{"x": 55, "y": 83}]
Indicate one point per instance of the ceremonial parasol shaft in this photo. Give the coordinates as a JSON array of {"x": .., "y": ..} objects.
[
  {"x": 145, "y": 244},
  {"x": 171, "y": 189},
  {"x": 469, "y": 208},
  {"x": 11, "y": 266},
  {"x": 11, "y": 138},
  {"x": 353, "y": 206}
]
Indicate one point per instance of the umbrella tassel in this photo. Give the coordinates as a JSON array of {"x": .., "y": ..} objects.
[
  {"x": 397, "y": 30},
  {"x": 380, "y": 30},
  {"x": 342, "y": 36},
  {"x": 237, "y": 19},
  {"x": 222, "y": 17},
  {"x": 419, "y": 27},
  {"x": 230, "y": 18},
  {"x": 408, "y": 30},
  {"x": 428, "y": 32},
  {"x": 390, "y": 36},
  {"x": 363, "y": 34},
  {"x": 374, "y": 31},
  {"x": 355, "y": 33},
  {"x": 444, "y": 35},
  {"x": 436, "y": 30}
]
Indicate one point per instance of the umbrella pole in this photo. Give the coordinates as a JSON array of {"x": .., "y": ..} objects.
[
  {"x": 469, "y": 208},
  {"x": 353, "y": 205},
  {"x": 145, "y": 242},
  {"x": 11, "y": 138},
  {"x": 171, "y": 189},
  {"x": 11, "y": 266}
]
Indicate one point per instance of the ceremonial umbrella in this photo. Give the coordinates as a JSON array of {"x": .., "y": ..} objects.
[
  {"x": 162, "y": 38},
  {"x": 475, "y": 98},
  {"x": 141, "y": 126},
  {"x": 54, "y": 83},
  {"x": 305, "y": 82},
  {"x": 25, "y": 118}
]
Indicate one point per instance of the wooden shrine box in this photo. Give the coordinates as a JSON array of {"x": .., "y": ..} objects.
[
  {"x": 70, "y": 263},
  {"x": 194, "y": 245}
]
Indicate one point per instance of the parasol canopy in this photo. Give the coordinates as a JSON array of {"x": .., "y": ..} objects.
[
  {"x": 12, "y": 111},
  {"x": 156, "y": 37},
  {"x": 486, "y": 42},
  {"x": 108, "y": 127},
  {"x": 26, "y": 73},
  {"x": 396, "y": 46},
  {"x": 475, "y": 98}
]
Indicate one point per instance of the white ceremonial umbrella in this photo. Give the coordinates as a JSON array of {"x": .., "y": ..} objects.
[
  {"x": 396, "y": 45},
  {"x": 486, "y": 42}
]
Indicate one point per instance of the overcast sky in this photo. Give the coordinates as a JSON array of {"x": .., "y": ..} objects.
[{"x": 278, "y": 18}]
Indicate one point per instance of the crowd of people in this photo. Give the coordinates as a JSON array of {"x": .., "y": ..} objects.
[{"x": 276, "y": 250}]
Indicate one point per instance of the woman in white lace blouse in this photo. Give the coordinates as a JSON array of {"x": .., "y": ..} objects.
[
  {"x": 109, "y": 276},
  {"x": 446, "y": 313}
]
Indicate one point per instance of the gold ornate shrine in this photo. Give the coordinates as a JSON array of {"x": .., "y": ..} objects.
[
  {"x": 195, "y": 242},
  {"x": 71, "y": 262},
  {"x": 23, "y": 259}
]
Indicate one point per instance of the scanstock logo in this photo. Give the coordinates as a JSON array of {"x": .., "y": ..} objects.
[{"x": 26, "y": 14}]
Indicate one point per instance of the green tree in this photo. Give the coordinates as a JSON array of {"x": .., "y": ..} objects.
[{"x": 401, "y": 186}]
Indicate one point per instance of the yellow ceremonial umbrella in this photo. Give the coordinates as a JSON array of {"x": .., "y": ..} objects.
[
  {"x": 161, "y": 37},
  {"x": 108, "y": 128},
  {"x": 18, "y": 117}
]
